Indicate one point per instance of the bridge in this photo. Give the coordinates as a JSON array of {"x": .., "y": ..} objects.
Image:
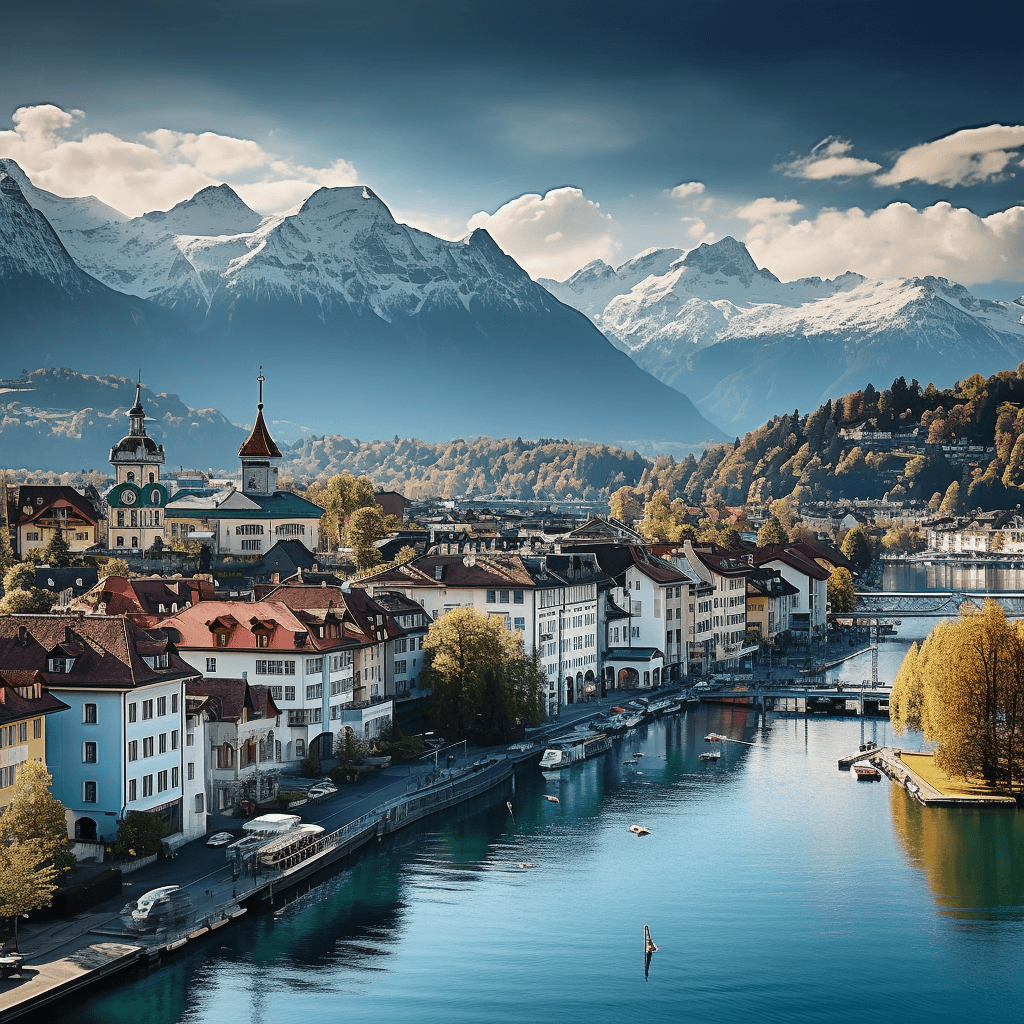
[
  {"x": 938, "y": 603},
  {"x": 808, "y": 698}
]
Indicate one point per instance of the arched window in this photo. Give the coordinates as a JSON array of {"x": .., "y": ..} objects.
[
  {"x": 130, "y": 477},
  {"x": 152, "y": 478},
  {"x": 85, "y": 828},
  {"x": 300, "y": 748}
]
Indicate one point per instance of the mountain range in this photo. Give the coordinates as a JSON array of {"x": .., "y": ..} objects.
[
  {"x": 746, "y": 346},
  {"x": 363, "y": 326}
]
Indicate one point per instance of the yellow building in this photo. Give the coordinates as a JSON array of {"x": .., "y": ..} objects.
[{"x": 24, "y": 702}]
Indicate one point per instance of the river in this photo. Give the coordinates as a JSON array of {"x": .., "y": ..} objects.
[{"x": 777, "y": 888}]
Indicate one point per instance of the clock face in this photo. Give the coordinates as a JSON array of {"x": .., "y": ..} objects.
[{"x": 128, "y": 497}]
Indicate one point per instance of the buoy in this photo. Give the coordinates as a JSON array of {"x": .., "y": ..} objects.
[
  {"x": 551, "y": 799},
  {"x": 649, "y": 946}
]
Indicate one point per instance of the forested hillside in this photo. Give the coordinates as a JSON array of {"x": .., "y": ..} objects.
[{"x": 964, "y": 444}]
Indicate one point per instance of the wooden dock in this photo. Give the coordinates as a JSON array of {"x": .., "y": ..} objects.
[{"x": 888, "y": 760}]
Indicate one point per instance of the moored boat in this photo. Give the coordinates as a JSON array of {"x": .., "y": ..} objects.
[
  {"x": 574, "y": 750},
  {"x": 710, "y": 755},
  {"x": 866, "y": 773}
]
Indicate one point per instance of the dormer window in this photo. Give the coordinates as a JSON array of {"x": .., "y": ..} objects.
[
  {"x": 59, "y": 664},
  {"x": 262, "y": 639},
  {"x": 222, "y": 638},
  {"x": 158, "y": 661},
  {"x": 438, "y": 572}
]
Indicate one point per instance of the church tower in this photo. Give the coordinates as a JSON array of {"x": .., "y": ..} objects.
[
  {"x": 136, "y": 502},
  {"x": 137, "y": 458},
  {"x": 259, "y": 475}
]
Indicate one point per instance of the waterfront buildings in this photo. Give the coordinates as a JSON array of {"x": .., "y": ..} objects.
[{"x": 120, "y": 745}]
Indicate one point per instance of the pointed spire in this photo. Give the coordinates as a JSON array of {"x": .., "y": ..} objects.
[{"x": 259, "y": 443}]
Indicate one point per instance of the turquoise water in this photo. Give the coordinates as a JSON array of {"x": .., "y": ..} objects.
[{"x": 777, "y": 888}]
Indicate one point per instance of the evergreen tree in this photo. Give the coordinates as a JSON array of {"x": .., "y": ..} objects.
[{"x": 57, "y": 552}]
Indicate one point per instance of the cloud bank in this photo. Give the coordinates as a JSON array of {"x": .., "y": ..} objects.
[
  {"x": 551, "y": 235},
  {"x": 160, "y": 168},
  {"x": 895, "y": 241},
  {"x": 829, "y": 159},
  {"x": 967, "y": 157}
]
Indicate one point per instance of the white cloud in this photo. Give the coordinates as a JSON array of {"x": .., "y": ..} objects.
[
  {"x": 161, "y": 168},
  {"x": 698, "y": 230},
  {"x": 966, "y": 157},
  {"x": 896, "y": 241},
  {"x": 767, "y": 210},
  {"x": 829, "y": 159},
  {"x": 551, "y": 235},
  {"x": 687, "y": 189}
]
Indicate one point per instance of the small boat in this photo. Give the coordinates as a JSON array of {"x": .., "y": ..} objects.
[
  {"x": 866, "y": 773},
  {"x": 649, "y": 946},
  {"x": 632, "y": 720},
  {"x": 551, "y": 799},
  {"x": 713, "y": 737},
  {"x": 710, "y": 755},
  {"x": 639, "y": 830}
]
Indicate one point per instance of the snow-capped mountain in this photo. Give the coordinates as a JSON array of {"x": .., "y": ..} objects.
[
  {"x": 747, "y": 346},
  {"x": 364, "y": 326}
]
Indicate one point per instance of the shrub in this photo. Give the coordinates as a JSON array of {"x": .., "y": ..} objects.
[
  {"x": 138, "y": 835},
  {"x": 311, "y": 768}
]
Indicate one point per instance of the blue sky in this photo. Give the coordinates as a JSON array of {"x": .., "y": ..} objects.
[{"x": 561, "y": 127}]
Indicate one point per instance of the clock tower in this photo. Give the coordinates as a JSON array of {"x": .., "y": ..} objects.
[
  {"x": 259, "y": 474},
  {"x": 137, "y": 499}
]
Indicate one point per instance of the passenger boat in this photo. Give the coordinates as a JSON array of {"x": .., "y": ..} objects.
[
  {"x": 292, "y": 848},
  {"x": 865, "y": 773},
  {"x": 574, "y": 750}
]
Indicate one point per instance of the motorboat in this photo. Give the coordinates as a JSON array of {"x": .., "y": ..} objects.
[
  {"x": 158, "y": 908},
  {"x": 710, "y": 755},
  {"x": 220, "y": 839},
  {"x": 866, "y": 773}
]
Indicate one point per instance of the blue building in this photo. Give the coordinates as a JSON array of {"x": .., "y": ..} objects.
[{"x": 124, "y": 744}]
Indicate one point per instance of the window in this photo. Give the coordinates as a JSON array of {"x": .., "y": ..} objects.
[
  {"x": 161, "y": 706},
  {"x": 289, "y": 693},
  {"x": 161, "y": 782},
  {"x": 147, "y": 710},
  {"x": 262, "y": 639},
  {"x": 314, "y": 665},
  {"x": 517, "y": 597},
  {"x": 276, "y": 692},
  {"x": 174, "y": 739},
  {"x": 37, "y": 728},
  {"x": 191, "y": 770},
  {"x": 89, "y": 753},
  {"x": 133, "y": 750},
  {"x": 211, "y": 664},
  {"x": 174, "y": 703},
  {"x": 147, "y": 747},
  {"x": 274, "y": 668},
  {"x": 300, "y": 748},
  {"x": 314, "y": 691},
  {"x": 61, "y": 665},
  {"x": 147, "y": 785},
  {"x": 89, "y": 714},
  {"x": 520, "y": 625},
  {"x": 189, "y": 739},
  {"x": 199, "y": 803},
  {"x": 89, "y": 792},
  {"x": 400, "y": 667},
  {"x": 222, "y": 639},
  {"x": 132, "y": 711},
  {"x": 174, "y": 778},
  {"x": 163, "y": 743},
  {"x": 23, "y": 732},
  {"x": 249, "y": 530},
  {"x": 252, "y": 545},
  {"x": 492, "y": 596},
  {"x": 133, "y": 790},
  {"x": 503, "y": 597}
]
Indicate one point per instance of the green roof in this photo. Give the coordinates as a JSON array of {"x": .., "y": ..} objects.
[{"x": 280, "y": 505}]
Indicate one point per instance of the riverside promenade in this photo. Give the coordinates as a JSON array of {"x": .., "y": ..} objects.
[{"x": 61, "y": 957}]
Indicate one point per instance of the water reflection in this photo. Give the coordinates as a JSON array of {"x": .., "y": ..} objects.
[
  {"x": 907, "y": 577},
  {"x": 973, "y": 860}
]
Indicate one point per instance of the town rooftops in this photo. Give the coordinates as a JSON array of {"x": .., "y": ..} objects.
[
  {"x": 24, "y": 694},
  {"x": 36, "y": 501},
  {"x": 144, "y": 601},
  {"x": 102, "y": 651},
  {"x": 794, "y": 557},
  {"x": 231, "y": 503},
  {"x": 615, "y": 559},
  {"x": 234, "y": 700}
]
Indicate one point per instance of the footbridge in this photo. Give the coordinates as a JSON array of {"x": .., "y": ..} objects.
[{"x": 945, "y": 603}]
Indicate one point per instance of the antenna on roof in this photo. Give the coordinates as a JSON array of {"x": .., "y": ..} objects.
[{"x": 261, "y": 379}]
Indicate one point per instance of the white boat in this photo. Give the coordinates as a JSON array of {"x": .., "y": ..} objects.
[
  {"x": 710, "y": 755},
  {"x": 632, "y": 720},
  {"x": 660, "y": 707},
  {"x": 574, "y": 750}
]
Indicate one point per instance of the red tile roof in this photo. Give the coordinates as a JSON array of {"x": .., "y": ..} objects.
[
  {"x": 230, "y": 697},
  {"x": 259, "y": 444}
]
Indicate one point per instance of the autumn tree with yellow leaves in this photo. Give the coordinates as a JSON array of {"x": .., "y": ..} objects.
[{"x": 964, "y": 688}]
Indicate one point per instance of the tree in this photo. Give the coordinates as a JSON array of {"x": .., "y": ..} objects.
[
  {"x": 57, "y": 552},
  {"x": 625, "y": 505},
  {"x": 965, "y": 688},
  {"x": 951, "y": 500},
  {"x": 365, "y": 526},
  {"x": 857, "y": 547},
  {"x": 116, "y": 567},
  {"x": 339, "y": 497},
  {"x": 35, "y": 601},
  {"x": 20, "y": 576},
  {"x": 6, "y": 551},
  {"x": 35, "y": 814},
  {"x": 405, "y": 554},
  {"x": 903, "y": 539},
  {"x": 478, "y": 669},
  {"x": 840, "y": 591},
  {"x": 27, "y": 881},
  {"x": 772, "y": 532},
  {"x": 138, "y": 835}
]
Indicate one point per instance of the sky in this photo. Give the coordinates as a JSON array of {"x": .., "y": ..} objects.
[{"x": 883, "y": 138}]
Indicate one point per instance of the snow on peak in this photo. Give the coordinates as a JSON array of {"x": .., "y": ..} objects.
[
  {"x": 214, "y": 210},
  {"x": 345, "y": 199},
  {"x": 726, "y": 257}
]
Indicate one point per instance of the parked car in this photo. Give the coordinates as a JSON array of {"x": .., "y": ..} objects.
[{"x": 320, "y": 790}]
